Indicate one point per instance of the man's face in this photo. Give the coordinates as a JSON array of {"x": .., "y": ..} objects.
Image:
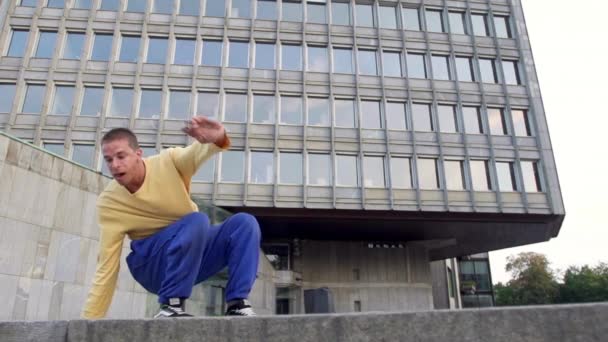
[{"x": 122, "y": 160}]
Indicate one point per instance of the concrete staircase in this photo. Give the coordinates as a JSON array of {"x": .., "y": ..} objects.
[{"x": 585, "y": 322}]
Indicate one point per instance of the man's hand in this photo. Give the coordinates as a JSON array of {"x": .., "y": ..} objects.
[{"x": 205, "y": 130}]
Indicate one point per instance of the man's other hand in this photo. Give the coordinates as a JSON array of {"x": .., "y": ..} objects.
[{"x": 205, "y": 130}]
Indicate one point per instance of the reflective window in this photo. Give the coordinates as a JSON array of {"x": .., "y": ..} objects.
[
  {"x": 447, "y": 118},
  {"x": 162, "y": 6},
  {"x": 18, "y": 43},
  {"x": 157, "y": 50},
  {"x": 319, "y": 169},
  {"x": 472, "y": 121},
  {"x": 150, "y": 104},
  {"x": 109, "y": 5},
  {"x": 238, "y": 54},
  {"x": 29, "y": 3},
  {"x": 316, "y": 12},
  {"x": 530, "y": 175},
  {"x": 318, "y": 111},
  {"x": 411, "y": 19},
  {"x": 291, "y": 110},
  {"x": 236, "y": 107},
  {"x": 496, "y": 120},
  {"x": 267, "y": 9},
  {"x": 441, "y": 69},
  {"x": 92, "y": 101},
  {"x": 55, "y": 148},
  {"x": 373, "y": 168},
  {"x": 179, "y": 104},
  {"x": 370, "y": 115},
  {"x": 102, "y": 47},
  {"x": 480, "y": 26},
  {"x": 63, "y": 100},
  {"x": 457, "y": 22},
  {"x": 208, "y": 105},
  {"x": 488, "y": 70},
  {"x": 434, "y": 21},
  {"x": 506, "y": 176},
  {"x": 56, "y": 3},
  {"x": 74, "y": 42},
  {"x": 6, "y": 100},
  {"x": 340, "y": 13},
  {"x": 401, "y": 173},
  {"x": 122, "y": 100},
  {"x": 189, "y": 7},
  {"x": 292, "y": 11},
  {"x": 129, "y": 49},
  {"x": 464, "y": 69},
  {"x": 290, "y": 168},
  {"x": 241, "y": 9},
  {"x": 479, "y": 175},
  {"x": 212, "y": 53},
  {"x": 421, "y": 116},
  {"x": 233, "y": 166},
  {"x": 510, "y": 72},
  {"x": 291, "y": 57},
  {"x": 84, "y": 154},
  {"x": 367, "y": 62},
  {"x": 264, "y": 55},
  {"x": 347, "y": 170},
  {"x": 520, "y": 123},
  {"x": 391, "y": 63},
  {"x": 416, "y": 67},
  {"x": 262, "y": 168},
  {"x": 215, "y": 8},
  {"x": 184, "y": 51},
  {"x": 387, "y": 17},
  {"x": 136, "y": 6},
  {"x": 317, "y": 59},
  {"x": 395, "y": 116},
  {"x": 427, "y": 174},
  {"x": 46, "y": 44},
  {"x": 343, "y": 61},
  {"x": 34, "y": 95},
  {"x": 454, "y": 177},
  {"x": 148, "y": 151},
  {"x": 206, "y": 172},
  {"x": 501, "y": 24},
  {"x": 264, "y": 109},
  {"x": 365, "y": 15},
  {"x": 344, "y": 113}
]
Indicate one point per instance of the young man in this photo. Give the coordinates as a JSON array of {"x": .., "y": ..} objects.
[{"x": 173, "y": 246}]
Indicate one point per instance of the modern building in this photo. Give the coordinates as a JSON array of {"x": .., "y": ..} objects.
[{"x": 369, "y": 137}]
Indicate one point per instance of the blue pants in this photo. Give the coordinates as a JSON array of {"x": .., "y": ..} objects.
[{"x": 185, "y": 253}]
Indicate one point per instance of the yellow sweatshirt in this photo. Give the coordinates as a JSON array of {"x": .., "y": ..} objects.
[{"x": 163, "y": 198}]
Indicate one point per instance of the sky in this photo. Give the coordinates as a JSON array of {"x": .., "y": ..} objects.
[{"x": 570, "y": 46}]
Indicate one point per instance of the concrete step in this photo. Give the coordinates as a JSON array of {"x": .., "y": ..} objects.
[{"x": 584, "y": 322}]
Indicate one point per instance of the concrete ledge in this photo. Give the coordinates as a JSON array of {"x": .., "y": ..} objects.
[{"x": 585, "y": 322}]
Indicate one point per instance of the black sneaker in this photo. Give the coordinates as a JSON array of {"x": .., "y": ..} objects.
[
  {"x": 242, "y": 307},
  {"x": 174, "y": 309}
]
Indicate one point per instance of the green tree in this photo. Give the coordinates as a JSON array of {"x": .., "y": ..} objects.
[{"x": 584, "y": 284}]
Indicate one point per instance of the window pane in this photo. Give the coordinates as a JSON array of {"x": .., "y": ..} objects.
[
  {"x": 365, "y": 15},
  {"x": 148, "y": 151},
  {"x": 212, "y": 53},
  {"x": 411, "y": 20},
  {"x": 416, "y": 67},
  {"x": 291, "y": 168},
  {"x": 179, "y": 105},
  {"x": 56, "y": 3},
  {"x": 262, "y": 168},
  {"x": 441, "y": 70},
  {"x": 401, "y": 175},
  {"x": 184, "y": 51},
  {"x": 150, "y": 104},
  {"x": 464, "y": 69},
  {"x": 63, "y": 100},
  {"x": 241, "y": 9},
  {"x": 457, "y": 22},
  {"x": 102, "y": 47},
  {"x": 370, "y": 115},
  {"x": 504, "y": 172},
  {"x": 421, "y": 115},
  {"x": 46, "y": 44},
  {"x": 233, "y": 166},
  {"x": 472, "y": 122},
  {"x": 374, "y": 172},
  {"x": 18, "y": 43},
  {"x": 316, "y": 13},
  {"x": 480, "y": 27},
  {"x": 109, "y": 5},
  {"x": 264, "y": 56},
  {"x": 434, "y": 21},
  {"x": 531, "y": 178},
  {"x": 447, "y": 118},
  {"x": 479, "y": 175},
  {"x": 84, "y": 154},
  {"x": 189, "y": 7},
  {"x": 340, "y": 13},
  {"x": 291, "y": 110},
  {"x": 58, "y": 149},
  {"x": 501, "y": 24},
  {"x": 343, "y": 61},
  {"x": 292, "y": 11},
  {"x": 510, "y": 70},
  {"x": 157, "y": 50},
  {"x": 206, "y": 173},
  {"x": 136, "y": 5},
  {"x": 347, "y": 171},
  {"x": 291, "y": 57},
  {"x": 453, "y": 175},
  {"x": 34, "y": 96},
  {"x": 92, "y": 101},
  {"x": 6, "y": 100},
  {"x": 427, "y": 174},
  {"x": 345, "y": 113},
  {"x": 215, "y": 8},
  {"x": 395, "y": 116},
  {"x": 520, "y": 123},
  {"x": 208, "y": 105},
  {"x": 29, "y": 3},
  {"x": 162, "y": 6},
  {"x": 391, "y": 62},
  {"x": 317, "y": 59},
  {"x": 236, "y": 107},
  {"x": 318, "y": 112},
  {"x": 129, "y": 49},
  {"x": 319, "y": 169},
  {"x": 387, "y": 17},
  {"x": 496, "y": 121},
  {"x": 263, "y": 109},
  {"x": 488, "y": 72},
  {"x": 122, "y": 99},
  {"x": 367, "y": 62},
  {"x": 267, "y": 9},
  {"x": 73, "y": 45},
  {"x": 238, "y": 54}
]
